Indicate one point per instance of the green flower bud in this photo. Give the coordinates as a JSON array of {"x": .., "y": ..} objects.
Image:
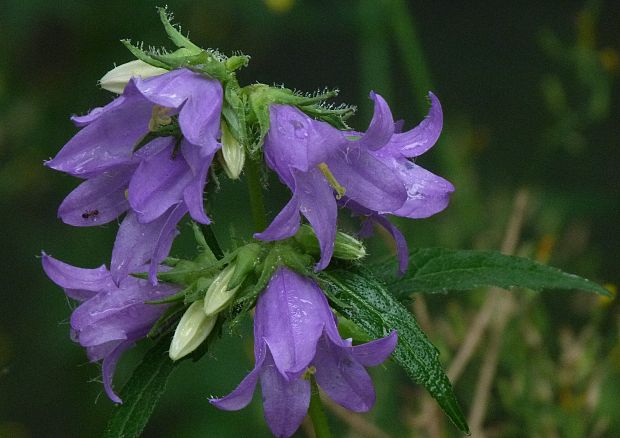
[
  {"x": 193, "y": 329},
  {"x": 232, "y": 155},
  {"x": 346, "y": 247},
  {"x": 116, "y": 79},
  {"x": 218, "y": 295},
  {"x": 245, "y": 262}
]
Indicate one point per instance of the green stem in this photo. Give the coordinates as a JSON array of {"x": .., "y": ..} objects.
[
  {"x": 212, "y": 242},
  {"x": 316, "y": 412},
  {"x": 255, "y": 189}
]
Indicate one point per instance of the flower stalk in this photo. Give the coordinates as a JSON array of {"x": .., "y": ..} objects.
[
  {"x": 317, "y": 413},
  {"x": 255, "y": 190}
]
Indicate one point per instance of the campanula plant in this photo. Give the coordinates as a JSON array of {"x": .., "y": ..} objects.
[{"x": 322, "y": 312}]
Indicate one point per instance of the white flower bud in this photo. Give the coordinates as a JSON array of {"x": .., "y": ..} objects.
[
  {"x": 232, "y": 155},
  {"x": 116, "y": 79},
  {"x": 218, "y": 295},
  {"x": 193, "y": 329}
]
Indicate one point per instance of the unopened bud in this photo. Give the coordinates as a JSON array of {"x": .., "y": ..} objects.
[
  {"x": 232, "y": 155},
  {"x": 346, "y": 247},
  {"x": 218, "y": 295},
  {"x": 193, "y": 329},
  {"x": 116, "y": 79}
]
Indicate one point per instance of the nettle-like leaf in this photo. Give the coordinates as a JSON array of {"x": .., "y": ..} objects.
[
  {"x": 358, "y": 296},
  {"x": 141, "y": 393},
  {"x": 434, "y": 270}
]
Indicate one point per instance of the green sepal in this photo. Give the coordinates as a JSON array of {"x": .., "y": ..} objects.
[
  {"x": 179, "y": 296},
  {"x": 170, "y": 261},
  {"x": 334, "y": 115},
  {"x": 161, "y": 326},
  {"x": 139, "y": 53},
  {"x": 236, "y": 62},
  {"x": 261, "y": 96},
  {"x": 198, "y": 289},
  {"x": 233, "y": 112},
  {"x": 247, "y": 257},
  {"x": 177, "y": 38},
  {"x": 282, "y": 254},
  {"x": 206, "y": 256},
  {"x": 346, "y": 247}
]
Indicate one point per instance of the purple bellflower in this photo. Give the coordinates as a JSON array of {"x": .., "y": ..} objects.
[
  {"x": 369, "y": 171},
  {"x": 110, "y": 318},
  {"x": 159, "y": 183},
  {"x": 295, "y": 336}
]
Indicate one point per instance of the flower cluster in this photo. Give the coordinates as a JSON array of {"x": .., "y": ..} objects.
[
  {"x": 110, "y": 318},
  {"x": 147, "y": 155},
  {"x": 157, "y": 184}
]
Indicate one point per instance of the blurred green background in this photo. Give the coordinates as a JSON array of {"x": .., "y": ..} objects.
[{"x": 530, "y": 97}]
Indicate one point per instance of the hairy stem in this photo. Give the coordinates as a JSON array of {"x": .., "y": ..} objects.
[
  {"x": 316, "y": 412},
  {"x": 255, "y": 189}
]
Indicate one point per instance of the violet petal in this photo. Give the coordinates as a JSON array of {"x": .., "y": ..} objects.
[
  {"x": 200, "y": 162},
  {"x": 402, "y": 250},
  {"x": 421, "y": 138},
  {"x": 84, "y": 283},
  {"x": 138, "y": 243},
  {"x": 164, "y": 241},
  {"x": 241, "y": 396},
  {"x": 375, "y": 352},
  {"x": 317, "y": 204},
  {"x": 367, "y": 180},
  {"x": 158, "y": 183},
  {"x": 342, "y": 377},
  {"x": 285, "y": 402},
  {"x": 286, "y": 223},
  {"x": 98, "y": 200},
  {"x": 109, "y": 366},
  {"x": 291, "y": 314},
  {"x": 107, "y": 141},
  {"x": 427, "y": 193},
  {"x": 381, "y": 126}
]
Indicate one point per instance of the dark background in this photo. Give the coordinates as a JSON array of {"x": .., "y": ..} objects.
[{"x": 530, "y": 97}]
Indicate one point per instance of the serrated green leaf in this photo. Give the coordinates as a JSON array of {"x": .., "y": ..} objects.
[
  {"x": 441, "y": 269},
  {"x": 141, "y": 393},
  {"x": 365, "y": 301}
]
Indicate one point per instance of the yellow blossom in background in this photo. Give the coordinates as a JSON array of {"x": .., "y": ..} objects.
[{"x": 280, "y": 6}]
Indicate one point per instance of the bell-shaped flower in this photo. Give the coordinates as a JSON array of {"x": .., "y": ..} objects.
[
  {"x": 110, "y": 318},
  {"x": 427, "y": 193},
  {"x": 371, "y": 172},
  {"x": 295, "y": 335},
  {"x": 321, "y": 164},
  {"x": 109, "y": 134},
  {"x": 159, "y": 181}
]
